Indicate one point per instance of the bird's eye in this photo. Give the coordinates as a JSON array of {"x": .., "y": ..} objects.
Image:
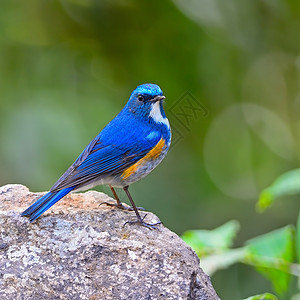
[{"x": 140, "y": 98}]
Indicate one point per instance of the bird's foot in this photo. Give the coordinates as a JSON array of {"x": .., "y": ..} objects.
[
  {"x": 142, "y": 223},
  {"x": 121, "y": 206}
]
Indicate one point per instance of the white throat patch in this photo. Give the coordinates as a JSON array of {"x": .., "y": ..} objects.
[{"x": 156, "y": 115}]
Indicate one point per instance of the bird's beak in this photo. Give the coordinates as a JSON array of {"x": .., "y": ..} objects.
[{"x": 158, "y": 98}]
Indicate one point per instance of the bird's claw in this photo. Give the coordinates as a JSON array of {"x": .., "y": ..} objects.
[
  {"x": 121, "y": 206},
  {"x": 142, "y": 223},
  {"x": 130, "y": 208}
]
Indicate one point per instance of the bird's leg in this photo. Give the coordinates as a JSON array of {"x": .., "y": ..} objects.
[
  {"x": 119, "y": 203},
  {"x": 139, "y": 219}
]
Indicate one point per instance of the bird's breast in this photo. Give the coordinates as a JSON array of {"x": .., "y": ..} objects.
[{"x": 146, "y": 164}]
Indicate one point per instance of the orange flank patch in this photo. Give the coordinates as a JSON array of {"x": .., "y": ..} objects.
[{"x": 151, "y": 155}]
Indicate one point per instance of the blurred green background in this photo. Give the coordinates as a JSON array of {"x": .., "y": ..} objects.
[{"x": 68, "y": 67}]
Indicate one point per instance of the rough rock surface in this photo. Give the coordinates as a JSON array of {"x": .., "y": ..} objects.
[{"x": 80, "y": 250}]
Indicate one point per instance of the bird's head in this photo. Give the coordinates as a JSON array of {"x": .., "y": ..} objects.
[{"x": 146, "y": 102}]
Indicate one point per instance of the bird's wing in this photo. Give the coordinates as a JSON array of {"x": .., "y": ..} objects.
[{"x": 101, "y": 159}]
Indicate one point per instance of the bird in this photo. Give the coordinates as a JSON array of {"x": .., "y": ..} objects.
[{"x": 127, "y": 149}]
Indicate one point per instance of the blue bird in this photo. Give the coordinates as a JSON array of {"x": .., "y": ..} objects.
[{"x": 126, "y": 150}]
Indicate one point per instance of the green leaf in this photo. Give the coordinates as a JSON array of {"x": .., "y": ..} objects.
[
  {"x": 272, "y": 255},
  {"x": 298, "y": 246},
  {"x": 210, "y": 241},
  {"x": 266, "y": 296},
  {"x": 298, "y": 239},
  {"x": 286, "y": 184},
  {"x": 214, "y": 262}
]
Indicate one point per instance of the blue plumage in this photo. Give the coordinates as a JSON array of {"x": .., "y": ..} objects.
[
  {"x": 126, "y": 150},
  {"x": 45, "y": 202}
]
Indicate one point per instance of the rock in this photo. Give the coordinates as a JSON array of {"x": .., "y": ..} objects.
[{"x": 80, "y": 250}]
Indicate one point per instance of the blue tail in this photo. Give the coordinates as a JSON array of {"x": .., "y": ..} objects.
[{"x": 45, "y": 202}]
